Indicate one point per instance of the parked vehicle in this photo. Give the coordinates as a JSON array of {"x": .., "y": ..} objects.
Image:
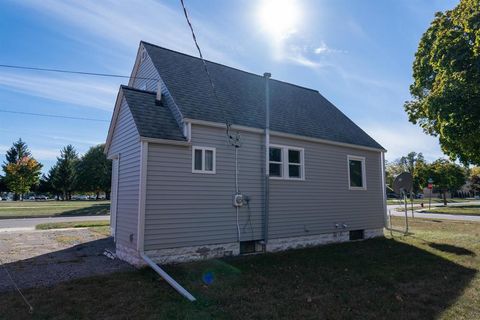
[{"x": 41, "y": 197}]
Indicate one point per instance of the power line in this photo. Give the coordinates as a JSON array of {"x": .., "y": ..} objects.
[
  {"x": 84, "y": 73},
  {"x": 52, "y": 116},
  {"x": 227, "y": 123}
]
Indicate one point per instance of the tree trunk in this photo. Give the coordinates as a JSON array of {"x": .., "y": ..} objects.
[
  {"x": 444, "y": 198},
  {"x": 97, "y": 196}
]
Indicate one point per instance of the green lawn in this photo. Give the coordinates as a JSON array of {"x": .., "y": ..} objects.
[
  {"x": 30, "y": 209},
  {"x": 468, "y": 210},
  {"x": 431, "y": 274},
  {"x": 72, "y": 224}
]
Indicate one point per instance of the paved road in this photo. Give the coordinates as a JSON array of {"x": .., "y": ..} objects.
[
  {"x": 30, "y": 223},
  {"x": 391, "y": 209}
]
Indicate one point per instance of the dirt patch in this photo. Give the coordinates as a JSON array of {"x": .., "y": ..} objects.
[{"x": 45, "y": 258}]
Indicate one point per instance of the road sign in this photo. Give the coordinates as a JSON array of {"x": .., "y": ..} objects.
[{"x": 430, "y": 186}]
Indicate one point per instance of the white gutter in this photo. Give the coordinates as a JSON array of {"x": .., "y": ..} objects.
[{"x": 167, "y": 278}]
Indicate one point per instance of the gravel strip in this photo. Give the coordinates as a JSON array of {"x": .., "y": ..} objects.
[{"x": 45, "y": 258}]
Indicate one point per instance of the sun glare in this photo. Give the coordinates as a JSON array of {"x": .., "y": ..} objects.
[{"x": 279, "y": 18}]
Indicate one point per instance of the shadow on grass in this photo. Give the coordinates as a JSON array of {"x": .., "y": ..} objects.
[
  {"x": 379, "y": 278},
  {"x": 94, "y": 210},
  {"x": 459, "y": 251}
]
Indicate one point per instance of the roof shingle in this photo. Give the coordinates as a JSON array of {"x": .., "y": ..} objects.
[
  {"x": 152, "y": 120},
  {"x": 294, "y": 109}
]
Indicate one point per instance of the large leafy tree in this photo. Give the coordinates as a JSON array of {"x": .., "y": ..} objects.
[
  {"x": 447, "y": 176},
  {"x": 94, "y": 171},
  {"x": 475, "y": 179},
  {"x": 22, "y": 171},
  {"x": 65, "y": 174},
  {"x": 446, "y": 87}
]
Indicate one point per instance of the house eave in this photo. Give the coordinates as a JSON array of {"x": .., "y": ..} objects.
[
  {"x": 165, "y": 141},
  {"x": 283, "y": 135}
]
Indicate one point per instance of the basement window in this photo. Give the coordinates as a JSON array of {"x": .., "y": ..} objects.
[
  {"x": 203, "y": 160},
  {"x": 357, "y": 235},
  {"x": 286, "y": 163}
]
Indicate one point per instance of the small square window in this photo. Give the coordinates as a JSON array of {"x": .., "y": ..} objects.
[{"x": 203, "y": 160}]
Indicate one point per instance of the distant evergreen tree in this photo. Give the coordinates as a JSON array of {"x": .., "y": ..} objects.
[{"x": 65, "y": 173}]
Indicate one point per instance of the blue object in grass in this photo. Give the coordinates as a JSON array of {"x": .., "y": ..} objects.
[{"x": 208, "y": 277}]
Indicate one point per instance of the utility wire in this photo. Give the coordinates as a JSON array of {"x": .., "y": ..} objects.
[
  {"x": 52, "y": 115},
  {"x": 16, "y": 287},
  {"x": 204, "y": 64},
  {"x": 73, "y": 72}
]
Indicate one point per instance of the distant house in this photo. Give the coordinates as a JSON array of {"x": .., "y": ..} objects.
[{"x": 175, "y": 192}]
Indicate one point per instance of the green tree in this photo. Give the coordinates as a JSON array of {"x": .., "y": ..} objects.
[
  {"x": 447, "y": 176},
  {"x": 409, "y": 163},
  {"x": 446, "y": 88},
  {"x": 22, "y": 175},
  {"x": 474, "y": 179},
  {"x": 22, "y": 171},
  {"x": 65, "y": 175},
  {"x": 18, "y": 150},
  {"x": 95, "y": 171}
]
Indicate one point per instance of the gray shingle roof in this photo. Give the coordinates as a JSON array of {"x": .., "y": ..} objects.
[
  {"x": 294, "y": 109},
  {"x": 152, "y": 121}
]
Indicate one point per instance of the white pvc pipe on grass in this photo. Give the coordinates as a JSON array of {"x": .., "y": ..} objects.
[{"x": 167, "y": 278}]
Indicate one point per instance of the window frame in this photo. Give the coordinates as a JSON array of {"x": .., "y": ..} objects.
[
  {"x": 364, "y": 172},
  {"x": 285, "y": 163},
  {"x": 214, "y": 160}
]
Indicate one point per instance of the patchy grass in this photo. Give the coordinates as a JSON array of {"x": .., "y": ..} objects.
[
  {"x": 430, "y": 274},
  {"x": 425, "y": 200},
  {"x": 71, "y": 224},
  {"x": 38, "y": 209},
  {"x": 468, "y": 210}
]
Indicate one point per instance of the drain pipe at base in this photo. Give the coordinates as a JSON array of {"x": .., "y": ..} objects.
[{"x": 167, "y": 278}]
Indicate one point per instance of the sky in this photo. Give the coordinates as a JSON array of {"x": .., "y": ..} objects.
[{"x": 358, "y": 54}]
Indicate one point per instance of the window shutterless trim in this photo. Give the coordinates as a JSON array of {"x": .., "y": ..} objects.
[
  {"x": 285, "y": 163},
  {"x": 364, "y": 175},
  {"x": 214, "y": 161}
]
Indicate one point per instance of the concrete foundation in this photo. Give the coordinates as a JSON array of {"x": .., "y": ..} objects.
[{"x": 195, "y": 253}]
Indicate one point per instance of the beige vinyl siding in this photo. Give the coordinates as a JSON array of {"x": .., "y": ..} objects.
[
  {"x": 186, "y": 209},
  {"x": 323, "y": 199},
  {"x": 126, "y": 144}
]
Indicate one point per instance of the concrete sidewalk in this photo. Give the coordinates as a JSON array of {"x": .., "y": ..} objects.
[
  {"x": 436, "y": 216},
  {"x": 26, "y": 224},
  {"x": 417, "y": 214}
]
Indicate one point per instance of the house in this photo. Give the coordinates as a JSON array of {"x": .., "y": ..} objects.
[{"x": 182, "y": 189}]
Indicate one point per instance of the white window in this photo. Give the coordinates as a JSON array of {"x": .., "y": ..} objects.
[
  {"x": 203, "y": 160},
  {"x": 286, "y": 162},
  {"x": 356, "y": 173}
]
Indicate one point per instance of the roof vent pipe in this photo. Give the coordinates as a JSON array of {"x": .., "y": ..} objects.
[{"x": 158, "y": 97}]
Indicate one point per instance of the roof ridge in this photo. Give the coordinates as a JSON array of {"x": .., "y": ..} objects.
[{"x": 223, "y": 65}]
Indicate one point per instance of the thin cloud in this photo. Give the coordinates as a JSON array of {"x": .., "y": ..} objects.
[
  {"x": 400, "y": 139},
  {"x": 82, "y": 91},
  {"x": 122, "y": 24},
  {"x": 324, "y": 49}
]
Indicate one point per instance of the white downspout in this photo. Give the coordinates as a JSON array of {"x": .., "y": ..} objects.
[{"x": 167, "y": 278}]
